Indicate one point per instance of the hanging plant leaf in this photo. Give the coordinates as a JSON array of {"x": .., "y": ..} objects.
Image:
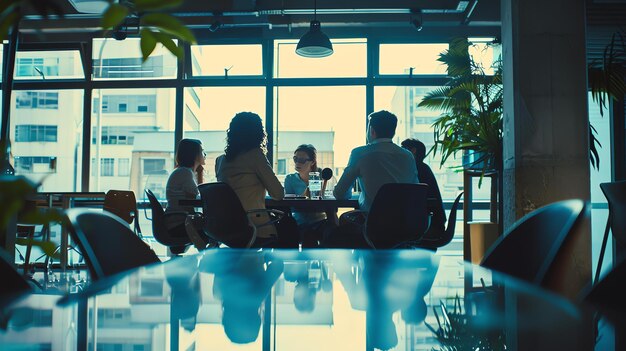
[
  {"x": 147, "y": 43},
  {"x": 168, "y": 24},
  {"x": 113, "y": 16},
  {"x": 154, "y": 5}
]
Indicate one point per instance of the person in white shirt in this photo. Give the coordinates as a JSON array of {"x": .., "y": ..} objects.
[
  {"x": 372, "y": 166},
  {"x": 377, "y": 163}
]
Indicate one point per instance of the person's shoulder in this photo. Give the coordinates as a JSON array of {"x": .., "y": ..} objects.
[
  {"x": 361, "y": 149},
  {"x": 291, "y": 176}
]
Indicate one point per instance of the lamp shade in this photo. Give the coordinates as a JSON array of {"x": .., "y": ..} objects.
[{"x": 314, "y": 43}]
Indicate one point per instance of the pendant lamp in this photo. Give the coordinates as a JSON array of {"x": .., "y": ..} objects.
[{"x": 314, "y": 43}]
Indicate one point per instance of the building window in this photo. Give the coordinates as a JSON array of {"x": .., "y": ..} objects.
[
  {"x": 37, "y": 67},
  {"x": 35, "y": 164},
  {"x": 153, "y": 166},
  {"x": 126, "y": 104},
  {"x": 123, "y": 167},
  {"x": 282, "y": 166},
  {"x": 31, "y": 133},
  {"x": 37, "y": 99},
  {"x": 106, "y": 167}
]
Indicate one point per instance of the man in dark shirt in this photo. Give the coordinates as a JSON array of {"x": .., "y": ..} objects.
[{"x": 426, "y": 176}]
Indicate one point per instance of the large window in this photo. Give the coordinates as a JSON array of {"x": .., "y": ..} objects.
[
  {"x": 331, "y": 118},
  {"x": 113, "y": 59},
  {"x": 207, "y": 118},
  {"x": 227, "y": 60},
  {"x": 404, "y": 59},
  {"x": 48, "y": 143},
  {"x": 41, "y": 65},
  {"x": 349, "y": 59},
  {"x": 130, "y": 126}
]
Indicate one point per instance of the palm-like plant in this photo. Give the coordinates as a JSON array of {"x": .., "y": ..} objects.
[{"x": 471, "y": 106}]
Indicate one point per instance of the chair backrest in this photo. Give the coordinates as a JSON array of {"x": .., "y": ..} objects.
[
  {"x": 448, "y": 234},
  {"x": 13, "y": 284},
  {"x": 108, "y": 245},
  {"x": 529, "y": 247},
  {"x": 224, "y": 217},
  {"x": 159, "y": 230},
  {"x": 121, "y": 203},
  {"x": 399, "y": 214},
  {"x": 615, "y": 193},
  {"x": 608, "y": 293}
]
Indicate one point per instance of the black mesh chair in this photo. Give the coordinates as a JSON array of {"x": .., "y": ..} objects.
[
  {"x": 615, "y": 193},
  {"x": 608, "y": 293},
  {"x": 225, "y": 219},
  {"x": 529, "y": 247},
  {"x": 108, "y": 245},
  {"x": 13, "y": 283},
  {"x": 436, "y": 242},
  {"x": 176, "y": 238},
  {"x": 398, "y": 216}
]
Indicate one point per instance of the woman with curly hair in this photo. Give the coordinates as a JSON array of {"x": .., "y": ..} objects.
[{"x": 246, "y": 169}]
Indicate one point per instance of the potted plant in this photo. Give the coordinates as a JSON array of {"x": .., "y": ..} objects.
[{"x": 471, "y": 107}]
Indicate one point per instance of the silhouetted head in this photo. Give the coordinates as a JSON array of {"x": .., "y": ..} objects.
[
  {"x": 189, "y": 152},
  {"x": 381, "y": 331},
  {"x": 241, "y": 323},
  {"x": 304, "y": 297},
  {"x": 245, "y": 133},
  {"x": 415, "y": 313},
  {"x": 382, "y": 124},
  {"x": 417, "y": 148},
  {"x": 305, "y": 158}
]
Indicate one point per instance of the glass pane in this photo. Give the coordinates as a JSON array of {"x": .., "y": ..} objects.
[
  {"x": 233, "y": 60},
  {"x": 415, "y": 122},
  {"x": 132, "y": 139},
  {"x": 46, "y": 132},
  {"x": 208, "y": 112},
  {"x": 114, "y": 59},
  {"x": 484, "y": 53},
  {"x": 331, "y": 118},
  {"x": 1, "y": 61},
  {"x": 400, "y": 58},
  {"x": 348, "y": 60},
  {"x": 48, "y": 65}
]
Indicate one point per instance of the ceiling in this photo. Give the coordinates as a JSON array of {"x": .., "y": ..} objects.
[{"x": 268, "y": 18}]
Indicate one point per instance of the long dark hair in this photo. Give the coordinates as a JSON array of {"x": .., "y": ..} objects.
[
  {"x": 311, "y": 152},
  {"x": 186, "y": 155},
  {"x": 244, "y": 133}
]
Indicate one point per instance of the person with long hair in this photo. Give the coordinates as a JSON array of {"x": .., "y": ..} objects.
[
  {"x": 246, "y": 169},
  {"x": 310, "y": 224},
  {"x": 183, "y": 184}
]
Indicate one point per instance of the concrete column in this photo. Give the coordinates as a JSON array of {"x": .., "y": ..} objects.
[{"x": 546, "y": 125}]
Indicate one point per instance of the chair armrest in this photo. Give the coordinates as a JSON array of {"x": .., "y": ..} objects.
[{"x": 278, "y": 214}]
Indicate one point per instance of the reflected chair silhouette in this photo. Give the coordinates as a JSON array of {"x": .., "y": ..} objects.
[
  {"x": 528, "y": 249},
  {"x": 615, "y": 194},
  {"x": 399, "y": 215},
  {"x": 108, "y": 245},
  {"x": 608, "y": 293},
  {"x": 123, "y": 204},
  {"x": 13, "y": 284},
  {"x": 176, "y": 239},
  {"x": 447, "y": 235},
  {"x": 225, "y": 219}
]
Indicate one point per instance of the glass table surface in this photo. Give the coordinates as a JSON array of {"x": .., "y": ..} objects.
[{"x": 289, "y": 300}]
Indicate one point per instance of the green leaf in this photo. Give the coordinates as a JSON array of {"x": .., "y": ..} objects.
[
  {"x": 113, "y": 16},
  {"x": 153, "y": 5},
  {"x": 169, "y": 44},
  {"x": 168, "y": 24},
  {"x": 48, "y": 247},
  {"x": 8, "y": 21},
  {"x": 148, "y": 43}
]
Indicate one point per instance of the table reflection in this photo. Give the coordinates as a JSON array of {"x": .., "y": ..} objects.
[{"x": 310, "y": 300}]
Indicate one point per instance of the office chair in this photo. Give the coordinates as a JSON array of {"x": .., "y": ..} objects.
[
  {"x": 176, "y": 238},
  {"x": 432, "y": 243},
  {"x": 615, "y": 194},
  {"x": 528, "y": 249},
  {"x": 225, "y": 219},
  {"x": 108, "y": 245},
  {"x": 399, "y": 215}
]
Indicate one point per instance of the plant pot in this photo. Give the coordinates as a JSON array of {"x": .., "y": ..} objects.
[{"x": 470, "y": 161}]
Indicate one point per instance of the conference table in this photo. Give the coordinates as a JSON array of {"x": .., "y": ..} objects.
[
  {"x": 298, "y": 203},
  {"x": 227, "y": 299}
]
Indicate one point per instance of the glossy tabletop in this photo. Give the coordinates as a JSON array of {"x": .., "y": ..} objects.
[
  {"x": 292, "y": 202},
  {"x": 312, "y": 300}
]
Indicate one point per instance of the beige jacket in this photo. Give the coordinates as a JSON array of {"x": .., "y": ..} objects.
[{"x": 250, "y": 175}]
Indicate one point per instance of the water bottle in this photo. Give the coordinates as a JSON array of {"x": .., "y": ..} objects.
[{"x": 315, "y": 185}]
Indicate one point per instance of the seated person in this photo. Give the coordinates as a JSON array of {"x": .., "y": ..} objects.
[
  {"x": 438, "y": 220},
  {"x": 248, "y": 172},
  {"x": 373, "y": 165},
  {"x": 183, "y": 184},
  {"x": 310, "y": 224}
]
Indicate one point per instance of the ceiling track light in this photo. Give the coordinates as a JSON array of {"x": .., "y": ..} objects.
[
  {"x": 417, "y": 19},
  {"x": 314, "y": 43}
]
